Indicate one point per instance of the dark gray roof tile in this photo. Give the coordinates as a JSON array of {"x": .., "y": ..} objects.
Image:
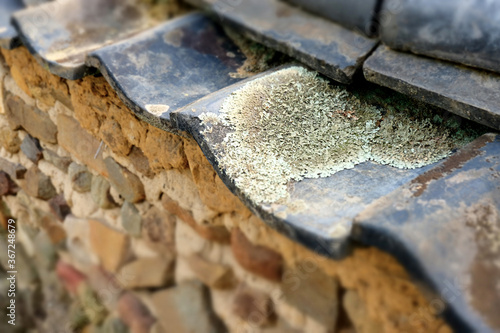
[
  {"x": 321, "y": 44},
  {"x": 8, "y": 35},
  {"x": 473, "y": 94}
]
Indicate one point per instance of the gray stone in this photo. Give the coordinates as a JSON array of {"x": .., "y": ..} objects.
[
  {"x": 131, "y": 219},
  {"x": 14, "y": 170},
  {"x": 32, "y": 149},
  {"x": 38, "y": 184},
  {"x": 80, "y": 177},
  {"x": 34, "y": 121},
  {"x": 60, "y": 162},
  {"x": 100, "y": 192},
  {"x": 128, "y": 185},
  {"x": 470, "y": 93},
  {"x": 176, "y": 307}
]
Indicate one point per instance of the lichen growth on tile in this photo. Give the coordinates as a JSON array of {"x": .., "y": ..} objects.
[
  {"x": 292, "y": 124},
  {"x": 211, "y": 118}
]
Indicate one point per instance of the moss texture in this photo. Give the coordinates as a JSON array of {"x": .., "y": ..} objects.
[{"x": 292, "y": 124}]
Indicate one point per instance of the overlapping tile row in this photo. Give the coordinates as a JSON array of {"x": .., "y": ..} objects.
[
  {"x": 171, "y": 73},
  {"x": 404, "y": 25},
  {"x": 167, "y": 67},
  {"x": 321, "y": 44},
  {"x": 61, "y": 33},
  {"x": 470, "y": 93},
  {"x": 443, "y": 220},
  {"x": 465, "y": 32}
]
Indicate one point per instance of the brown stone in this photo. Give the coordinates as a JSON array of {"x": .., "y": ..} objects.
[
  {"x": 148, "y": 272},
  {"x": 59, "y": 207},
  {"x": 140, "y": 162},
  {"x": 60, "y": 162},
  {"x": 135, "y": 314},
  {"x": 110, "y": 246},
  {"x": 213, "y": 192},
  {"x": 38, "y": 184},
  {"x": 7, "y": 186},
  {"x": 32, "y": 149},
  {"x": 128, "y": 185},
  {"x": 158, "y": 230},
  {"x": 257, "y": 259},
  {"x": 15, "y": 171},
  {"x": 10, "y": 140},
  {"x": 34, "y": 121},
  {"x": 253, "y": 306},
  {"x": 79, "y": 143},
  {"x": 186, "y": 308},
  {"x": 212, "y": 274},
  {"x": 214, "y": 233},
  {"x": 54, "y": 230},
  {"x": 358, "y": 314},
  {"x": 309, "y": 289}
]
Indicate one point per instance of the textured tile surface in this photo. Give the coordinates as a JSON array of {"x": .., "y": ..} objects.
[
  {"x": 353, "y": 14},
  {"x": 61, "y": 33},
  {"x": 445, "y": 227},
  {"x": 470, "y": 93},
  {"x": 170, "y": 66},
  {"x": 467, "y": 32},
  {"x": 327, "y": 205},
  {"x": 321, "y": 44}
]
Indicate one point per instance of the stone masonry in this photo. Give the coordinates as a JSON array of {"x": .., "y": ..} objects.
[{"x": 123, "y": 227}]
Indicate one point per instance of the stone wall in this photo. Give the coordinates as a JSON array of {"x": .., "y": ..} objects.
[{"x": 124, "y": 227}]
